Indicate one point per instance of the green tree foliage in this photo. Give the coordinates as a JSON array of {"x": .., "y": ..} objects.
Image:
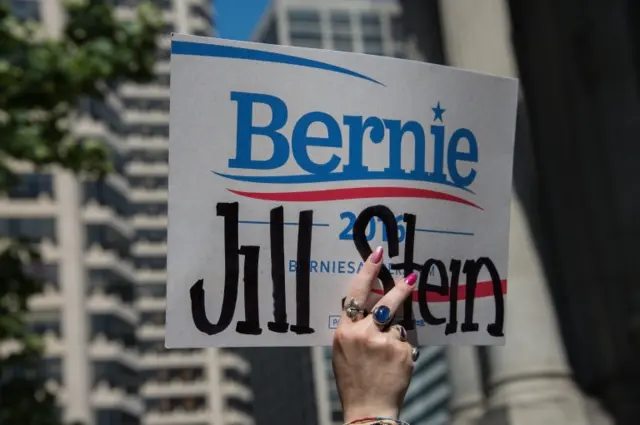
[{"x": 42, "y": 80}]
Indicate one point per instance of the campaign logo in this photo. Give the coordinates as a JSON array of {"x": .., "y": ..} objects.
[{"x": 442, "y": 156}]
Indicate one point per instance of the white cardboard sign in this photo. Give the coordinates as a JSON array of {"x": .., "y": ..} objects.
[{"x": 287, "y": 166}]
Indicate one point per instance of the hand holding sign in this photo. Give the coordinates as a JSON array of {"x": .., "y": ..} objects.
[{"x": 372, "y": 366}]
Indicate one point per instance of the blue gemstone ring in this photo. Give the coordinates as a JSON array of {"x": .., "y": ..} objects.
[{"x": 381, "y": 316}]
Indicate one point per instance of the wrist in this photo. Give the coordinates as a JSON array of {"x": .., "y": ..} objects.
[{"x": 358, "y": 413}]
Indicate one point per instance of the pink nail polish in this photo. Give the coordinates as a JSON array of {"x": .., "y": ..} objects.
[
  {"x": 411, "y": 279},
  {"x": 376, "y": 257}
]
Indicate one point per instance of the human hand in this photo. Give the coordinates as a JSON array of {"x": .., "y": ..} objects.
[{"x": 373, "y": 365}]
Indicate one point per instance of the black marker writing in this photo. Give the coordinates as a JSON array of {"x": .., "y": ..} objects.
[
  {"x": 232, "y": 252},
  {"x": 448, "y": 285}
]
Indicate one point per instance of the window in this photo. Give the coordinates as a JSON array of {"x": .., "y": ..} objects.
[
  {"x": 149, "y": 156},
  {"x": 152, "y": 183},
  {"x": 155, "y": 318},
  {"x": 45, "y": 326},
  {"x": 106, "y": 195},
  {"x": 107, "y": 238},
  {"x": 235, "y": 375},
  {"x": 340, "y": 22},
  {"x": 397, "y": 28},
  {"x": 202, "y": 33},
  {"x": 343, "y": 43},
  {"x": 373, "y": 47},
  {"x": 151, "y": 263},
  {"x": 201, "y": 11},
  {"x": 114, "y": 328},
  {"x": 163, "y": 53},
  {"x": 239, "y": 404},
  {"x": 151, "y": 235},
  {"x": 159, "y": 130},
  {"x": 152, "y": 291},
  {"x": 30, "y": 229},
  {"x": 151, "y": 209},
  {"x": 304, "y": 22},
  {"x": 31, "y": 186},
  {"x": 116, "y": 374},
  {"x": 163, "y": 80},
  {"x": 26, "y": 10},
  {"x": 370, "y": 23},
  {"x": 313, "y": 41}
]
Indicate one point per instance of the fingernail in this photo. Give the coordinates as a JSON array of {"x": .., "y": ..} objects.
[
  {"x": 411, "y": 279},
  {"x": 376, "y": 257}
]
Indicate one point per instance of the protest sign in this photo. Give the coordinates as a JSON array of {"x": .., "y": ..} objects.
[{"x": 288, "y": 166}]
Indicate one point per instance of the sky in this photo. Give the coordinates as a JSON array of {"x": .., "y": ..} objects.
[{"x": 238, "y": 18}]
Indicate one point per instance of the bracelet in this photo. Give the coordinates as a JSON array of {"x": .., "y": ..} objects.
[{"x": 377, "y": 421}]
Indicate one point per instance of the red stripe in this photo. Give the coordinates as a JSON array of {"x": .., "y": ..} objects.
[
  {"x": 354, "y": 193},
  {"x": 483, "y": 289}
]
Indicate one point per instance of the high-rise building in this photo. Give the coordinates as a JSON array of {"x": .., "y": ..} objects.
[
  {"x": 104, "y": 250},
  {"x": 364, "y": 26},
  {"x": 372, "y": 27}
]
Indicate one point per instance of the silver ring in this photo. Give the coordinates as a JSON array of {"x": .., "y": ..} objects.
[
  {"x": 382, "y": 316},
  {"x": 415, "y": 353},
  {"x": 353, "y": 309},
  {"x": 402, "y": 332}
]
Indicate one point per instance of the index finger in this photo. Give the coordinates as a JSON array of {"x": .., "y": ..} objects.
[{"x": 363, "y": 281}]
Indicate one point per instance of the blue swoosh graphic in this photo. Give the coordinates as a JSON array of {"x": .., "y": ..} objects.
[
  {"x": 215, "y": 50},
  {"x": 333, "y": 177}
]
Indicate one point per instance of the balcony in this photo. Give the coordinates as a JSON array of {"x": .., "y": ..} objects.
[
  {"x": 105, "y": 397},
  {"x": 231, "y": 360},
  {"x": 151, "y": 276},
  {"x": 98, "y": 258},
  {"x": 87, "y": 127},
  {"x": 175, "y": 388},
  {"x": 103, "y": 349},
  {"x": 119, "y": 182},
  {"x": 49, "y": 251},
  {"x": 151, "y": 304},
  {"x": 147, "y": 142},
  {"x": 237, "y": 417},
  {"x": 147, "y": 195},
  {"x": 129, "y": 13},
  {"x": 132, "y": 116},
  {"x": 144, "y": 248},
  {"x": 49, "y": 299},
  {"x": 173, "y": 358},
  {"x": 41, "y": 207},
  {"x": 145, "y": 169},
  {"x": 178, "y": 417},
  {"x": 234, "y": 389},
  {"x": 110, "y": 304},
  {"x": 153, "y": 332},
  {"x": 152, "y": 91},
  {"x": 94, "y": 213},
  {"x": 143, "y": 221},
  {"x": 53, "y": 346}
]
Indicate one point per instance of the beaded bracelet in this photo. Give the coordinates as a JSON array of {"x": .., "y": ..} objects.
[{"x": 377, "y": 421}]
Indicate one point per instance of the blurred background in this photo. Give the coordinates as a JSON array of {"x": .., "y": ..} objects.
[{"x": 84, "y": 127}]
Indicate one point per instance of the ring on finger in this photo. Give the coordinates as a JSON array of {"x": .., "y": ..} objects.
[
  {"x": 415, "y": 353},
  {"x": 353, "y": 309},
  {"x": 381, "y": 316},
  {"x": 402, "y": 332}
]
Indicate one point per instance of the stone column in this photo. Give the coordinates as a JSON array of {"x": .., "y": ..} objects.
[
  {"x": 75, "y": 320},
  {"x": 467, "y": 399},
  {"x": 530, "y": 378}
]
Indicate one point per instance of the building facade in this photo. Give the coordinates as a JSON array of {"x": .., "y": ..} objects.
[
  {"x": 371, "y": 27},
  {"x": 104, "y": 250}
]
